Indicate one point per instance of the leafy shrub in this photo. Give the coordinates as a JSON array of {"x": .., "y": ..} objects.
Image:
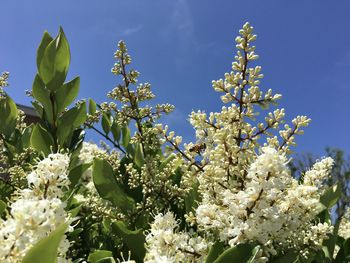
[{"x": 143, "y": 196}]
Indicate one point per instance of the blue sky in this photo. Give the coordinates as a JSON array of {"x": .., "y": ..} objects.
[{"x": 181, "y": 46}]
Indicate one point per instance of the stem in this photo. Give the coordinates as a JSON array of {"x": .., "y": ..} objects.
[
  {"x": 133, "y": 103},
  {"x": 54, "y": 125},
  {"x": 250, "y": 209},
  {"x": 183, "y": 154},
  {"x": 117, "y": 145},
  {"x": 289, "y": 136},
  {"x": 241, "y": 104}
]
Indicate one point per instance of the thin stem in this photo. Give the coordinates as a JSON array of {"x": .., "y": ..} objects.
[
  {"x": 54, "y": 126},
  {"x": 133, "y": 103},
  {"x": 107, "y": 138},
  {"x": 182, "y": 153},
  {"x": 250, "y": 209},
  {"x": 241, "y": 104},
  {"x": 289, "y": 136}
]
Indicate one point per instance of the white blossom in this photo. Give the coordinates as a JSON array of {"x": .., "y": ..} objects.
[{"x": 37, "y": 211}]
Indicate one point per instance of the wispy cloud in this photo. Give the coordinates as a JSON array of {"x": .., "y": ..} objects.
[
  {"x": 131, "y": 30},
  {"x": 181, "y": 20}
]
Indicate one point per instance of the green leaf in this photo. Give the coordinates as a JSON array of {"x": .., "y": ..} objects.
[
  {"x": 214, "y": 252},
  {"x": 332, "y": 239},
  {"x": 62, "y": 59},
  {"x": 39, "y": 109},
  {"x": 242, "y": 253},
  {"x": 2, "y": 207},
  {"x": 45, "y": 251},
  {"x": 55, "y": 62},
  {"x": 116, "y": 131},
  {"x": 139, "y": 158},
  {"x": 92, "y": 106},
  {"x": 126, "y": 136},
  {"x": 331, "y": 196},
  {"x": 108, "y": 187},
  {"x": 71, "y": 119},
  {"x": 77, "y": 139},
  {"x": 75, "y": 211},
  {"x": 106, "y": 260},
  {"x": 41, "y": 49},
  {"x": 133, "y": 239},
  {"x": 81, "y": 115},
  {"x": 8, "y": 115},
  {"x": 41, "y": 140},
  {"x": 25, "y": 138},
  {"x": 344, "y": 252},
  {"x": 99, "y": 254},
  {"x": 76, "y": 173},
  {"x": 192, "y": 198},
  {"x": 106, "y": 123},
  {"x": 67, "y": 94},
  {"x": 42, "y": 95}
]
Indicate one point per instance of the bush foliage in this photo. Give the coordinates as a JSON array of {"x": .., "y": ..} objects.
[{"x": 143, "y": 195}]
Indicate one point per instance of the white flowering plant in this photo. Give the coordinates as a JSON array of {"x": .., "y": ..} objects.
[{"x": 143, "y": 195}]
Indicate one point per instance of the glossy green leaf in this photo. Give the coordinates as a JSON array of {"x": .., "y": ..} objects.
[
  {"x": 133, "y": 239},
  {"x": 92, "y": 106},
  {"x": 139, "y": 158},
  {"x": 41, "y": 139},
  {"x": 331, "y": 196},
  {"x": 214, "y": 252},
  {"x": 62, "y": 59},
  {"x": 55, "y": 62},
  {"x": 75, "y": 211},
  {"x": 38, "y": 108},
  {"x": 192, "y": 198},
  {"x": 67, "y": 94},
  {"x": 45, "y": 41},
  {"x": 25, "y": 138},
  {"x": 42, "y": 95},
  {"x": 106, "y": 123},
  {"x": 76, "y": 173},
  {"x": 2, "y": 207},
  {"x": 77, "y": 139},
  {"x": 45, "y": 251},
  {"x": 8, "y": 115},
  {"x": 343, "y": 254},
  {"x": 71, "y": 119},
  {"x": 106, "y": 260},
  {"x": 242, "y": 253},
  {"x": 126, "y": 136},
  {"x": 332, "y": 239},
  {"x": 81, "y": 115},
  {"x": 99, "y": 254},
  {"x": 116, "y": 131},
  {"x": 108, "y": 187}
]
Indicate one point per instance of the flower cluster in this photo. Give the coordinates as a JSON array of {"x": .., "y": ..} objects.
[
  {"x": 3, "y": 83},
  {"x": 131, "y": 99},
  {"x": 37, "y": 210},
  {"x": 271, "y": 207},
  {"x": 344, "y": 227},
  {"x": 247, "y": 192},
  {"x": 166, "y": 244}
]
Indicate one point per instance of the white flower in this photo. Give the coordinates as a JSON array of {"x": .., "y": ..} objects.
[
  {"x": 165, "y": 244},
  {"x": 37, "y": 211}
]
